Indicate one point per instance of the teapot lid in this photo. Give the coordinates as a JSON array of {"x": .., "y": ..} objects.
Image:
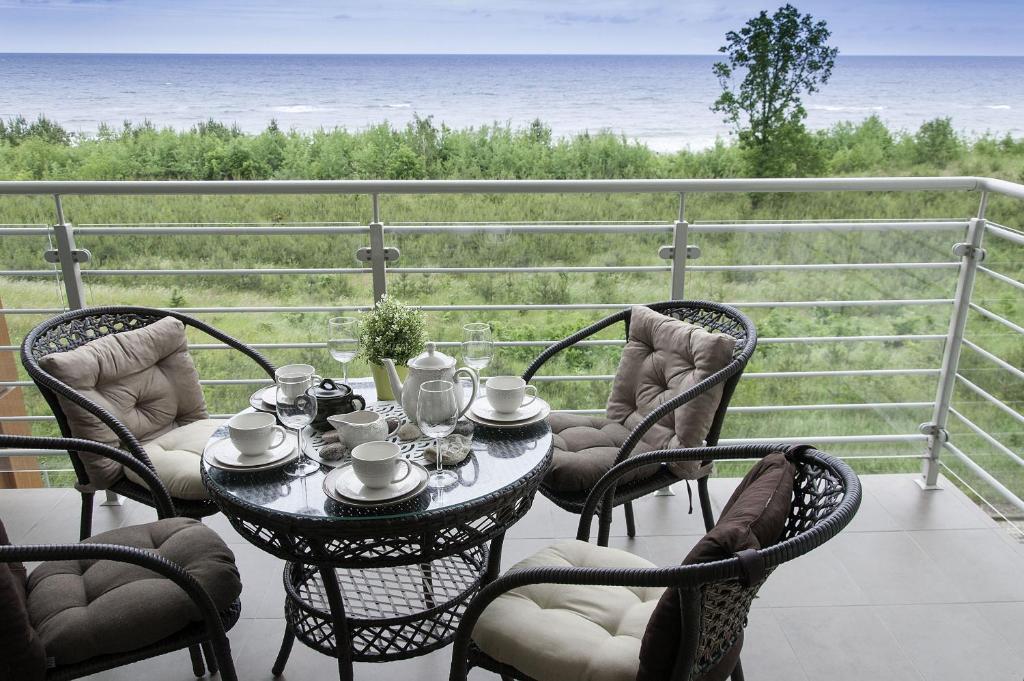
[
  {"x": 328, "y": 388},
  {"x": 431, "y": 359}
]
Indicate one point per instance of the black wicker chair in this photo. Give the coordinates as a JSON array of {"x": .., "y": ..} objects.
[
  {"x": 708, "y": 315},
  {"x": 207, "y": 638},
  {"x": 716, "y": 596},
  {"x": 76, "y": 328}
]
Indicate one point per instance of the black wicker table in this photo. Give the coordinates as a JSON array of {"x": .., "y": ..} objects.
[{"x": 388, "y": 582}]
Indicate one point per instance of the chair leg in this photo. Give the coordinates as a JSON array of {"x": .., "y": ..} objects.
[
  {"x": 604, "y": 526},
  {"x": 705, "y": 503},
  {"x": 737, "y": 672},
  {"x": 286, "y": 650},
  {"x": 630, "y": 522},
  {"x": 196, "y": 653},
  {"x": 211, "y": 659},
  {"x": 85, "y": 531},
  {"x": 222, "y": 653}
]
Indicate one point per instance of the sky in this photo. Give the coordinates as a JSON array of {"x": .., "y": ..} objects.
[{"x": 928, "y": 27}]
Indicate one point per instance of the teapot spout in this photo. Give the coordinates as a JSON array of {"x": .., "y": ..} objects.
[{"x": 396, "y": 382}]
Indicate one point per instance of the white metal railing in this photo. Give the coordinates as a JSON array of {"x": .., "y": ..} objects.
[{"x": 380, "y": 265}]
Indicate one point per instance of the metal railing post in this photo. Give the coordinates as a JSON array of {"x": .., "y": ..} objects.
[
  {"x": 377, "y": 254},
  {"x": 679, "y": 252},
  {"x": 70, "y": 258},
  {"x": 971, "y": 254}
]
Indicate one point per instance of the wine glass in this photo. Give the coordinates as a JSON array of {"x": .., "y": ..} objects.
[
  {"x": 343, "y": 341},
  {"x": 437, "y": 411},
  {"x": 477, "y": 345},
  {"x": 296, "y": 410}
]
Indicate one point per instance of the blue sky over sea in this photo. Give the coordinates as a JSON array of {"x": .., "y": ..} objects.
[{"x": 887, "y": 27}]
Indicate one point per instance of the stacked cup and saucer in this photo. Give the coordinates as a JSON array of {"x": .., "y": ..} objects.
[
  {"x": 255, "y": 443},
  {"x": 508, "y": 402},
  {"x": 377, "y": 475}
]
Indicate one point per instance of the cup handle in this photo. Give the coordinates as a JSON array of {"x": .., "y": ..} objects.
[
  {"x": 362, "y": 402},
  {"x": 531, "y": 390},
  {"x": 280, "y": 431},
  {"x": 476, "y": 388},
  {"x": 408, "y": 470}
]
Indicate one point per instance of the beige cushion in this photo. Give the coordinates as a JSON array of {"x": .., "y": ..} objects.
[
  {"x": 664, "y": 357},
  {"x": 176, "y": 455},
  {"x": 558, "y": 632},
  {"x": 144, "y": 377},
  {"x": 86, "y": 608}
]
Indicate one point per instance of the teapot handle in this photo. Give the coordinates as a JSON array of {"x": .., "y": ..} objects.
[{"x": 476, "y": 387}]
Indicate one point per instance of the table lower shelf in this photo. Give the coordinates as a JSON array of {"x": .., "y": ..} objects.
[{"x": 391, "y": 613}]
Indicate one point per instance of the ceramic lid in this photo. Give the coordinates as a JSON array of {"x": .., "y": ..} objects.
[
  {"x": 431, "y": 359},
  {"x": 328, "y": 390}
]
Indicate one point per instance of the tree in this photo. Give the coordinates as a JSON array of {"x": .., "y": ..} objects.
[{"x": 782, "y": 56}]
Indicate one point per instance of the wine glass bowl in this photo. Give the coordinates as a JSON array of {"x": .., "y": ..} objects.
[
  {"x": 343, "y": 341},
  {"x": 296, "y": 409},
  {"x": 477, "y": 345},
  {"x": 437, "y": 412}
]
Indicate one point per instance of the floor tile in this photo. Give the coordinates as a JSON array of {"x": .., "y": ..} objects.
[
  {"x": 952, "y": 642},
  {"x": 767, "y": 655},
  {"x": 981, "y": 564},
  {"x": 816, "y": 578},
  {"x": 915, "y": 509}
]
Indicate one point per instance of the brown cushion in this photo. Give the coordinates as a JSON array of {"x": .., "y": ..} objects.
[
  {"x": 22, "y": 656},
  {"x": 144, "y": 377},
  {"x": 662, "y": 358},
  {"x": 85, "y": 608},
  {"x": 753, "y": 518}
]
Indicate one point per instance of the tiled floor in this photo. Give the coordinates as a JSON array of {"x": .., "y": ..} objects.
[{"x": 921, "y": 586}]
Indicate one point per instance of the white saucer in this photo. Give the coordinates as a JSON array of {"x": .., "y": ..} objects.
[
  {"x": 225, "y": 454},
  {"x": 264, "y": 399},
  {"x": 545, "y": 411},
  {"x": 341, "y": 484},
  {"x": 483, "y": 409}
]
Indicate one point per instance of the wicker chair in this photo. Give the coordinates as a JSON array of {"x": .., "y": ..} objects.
[
  {"x": 207, "y": 637},
  {"x": 710, "y": 316},
  {"x": 76, "y": 328},
  {"x": 715, "y": 597}
]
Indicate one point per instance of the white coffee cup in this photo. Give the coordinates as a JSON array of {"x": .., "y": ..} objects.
[
  {"x": 294, "y": 379},
  {"x": 357, "y": 427},
  {"x": 506, "y": 393},
  {"x": 376, "y": 463},
  {"x": 254, "y": 433}
]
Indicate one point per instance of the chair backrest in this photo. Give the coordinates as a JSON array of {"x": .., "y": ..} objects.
[
  {"x": 719, "y": 318},
  {"x": 74, "y": 329},
  {"x": 826, "y": 495}
]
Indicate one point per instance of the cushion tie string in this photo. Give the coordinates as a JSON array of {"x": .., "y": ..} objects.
[{"x": 751, "y": 566}]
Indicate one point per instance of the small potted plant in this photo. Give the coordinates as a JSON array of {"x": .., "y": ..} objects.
[{"x": 395, "y": 331}]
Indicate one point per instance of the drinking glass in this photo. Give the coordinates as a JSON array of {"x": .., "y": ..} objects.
[
  {"x": 343, "y": 341},
  {"x": 437, "y": 411},
  {"x": 296, "y": 410},
  {"x": 477, "y": 345}
]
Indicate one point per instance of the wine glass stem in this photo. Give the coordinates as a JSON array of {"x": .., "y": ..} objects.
[
  {"x": 302, "y": 453},
  {"x": 344, "y": 372},
  {"x": 437, "y": 456}
]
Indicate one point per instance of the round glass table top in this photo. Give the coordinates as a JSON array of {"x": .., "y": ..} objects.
[{"x": 498, "y": 460}]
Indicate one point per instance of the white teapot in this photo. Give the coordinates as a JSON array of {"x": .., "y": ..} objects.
[{"x": 430, "y": 365}]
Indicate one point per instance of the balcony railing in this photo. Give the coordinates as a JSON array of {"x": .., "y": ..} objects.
[{"x": 948, "y": 316}]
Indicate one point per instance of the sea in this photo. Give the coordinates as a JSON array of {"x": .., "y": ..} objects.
[{"x": 662, "y": 101}]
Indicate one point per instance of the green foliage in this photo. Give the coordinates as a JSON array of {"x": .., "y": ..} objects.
[
  {"x": 937, "y": 142},
  {"x": 392, "y": 330},
  {"x": 781, "y": 56}
]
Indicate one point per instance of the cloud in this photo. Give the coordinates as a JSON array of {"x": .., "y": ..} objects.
[
  {"x": 342, "y": 17},
  {"x": 569, "y": 18}
]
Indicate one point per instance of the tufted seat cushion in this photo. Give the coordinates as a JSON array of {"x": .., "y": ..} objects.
[
  {"x": 21, "y": 652},
  {"x": 663, "y": 357},
  {"x": 176, "y": 456},
  {"x": 85, "y": 608},
  {"x": 144, "y": 377},
  {"x": 558, "y": 632}
]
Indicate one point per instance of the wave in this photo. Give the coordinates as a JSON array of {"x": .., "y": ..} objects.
[
  {"x": 400, "y": 105},
  {"x": 297, "y": 108},
  {"x": 833, "y": 107},
  {"x": 1001, "y": 107}
]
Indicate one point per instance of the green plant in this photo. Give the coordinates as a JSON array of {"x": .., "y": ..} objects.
[
  {"x": 392, "y": 330},
  {"x": 782, "y": 56}
]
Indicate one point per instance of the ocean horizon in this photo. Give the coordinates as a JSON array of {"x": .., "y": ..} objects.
[{"x": 660, "y": 100}]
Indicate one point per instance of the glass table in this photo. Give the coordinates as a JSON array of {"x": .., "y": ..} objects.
[{"x": 374, "y": 584}]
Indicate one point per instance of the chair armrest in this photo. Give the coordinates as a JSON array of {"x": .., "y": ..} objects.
[
  {"x": 608, "y": 481},
  {"x": 680, "y": 576},
  {"x": 162, "y": 499},
  {"x": 582, "y": 334},
  {"x": 124, "y": 554}
]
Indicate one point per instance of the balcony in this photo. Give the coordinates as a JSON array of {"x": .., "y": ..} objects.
[{"x": 891, "y": 340}]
